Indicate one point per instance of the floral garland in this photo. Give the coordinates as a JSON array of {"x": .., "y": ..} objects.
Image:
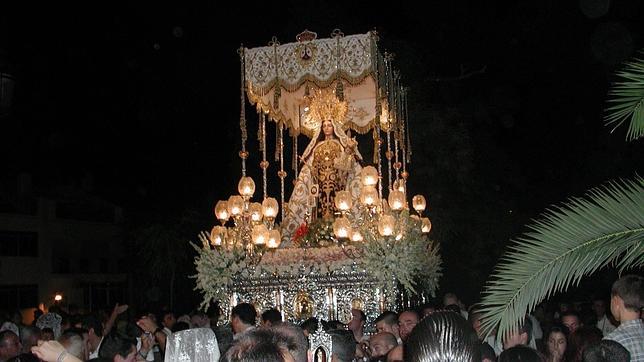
[{"x": 408, "y": 257}]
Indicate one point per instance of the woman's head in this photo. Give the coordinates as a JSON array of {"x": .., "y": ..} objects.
[
  {"x": 327, "y": 128},
  {"x": 557, "y": 341}
]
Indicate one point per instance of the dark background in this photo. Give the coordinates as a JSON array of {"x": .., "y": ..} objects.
[{"x": 139, "y": 105}]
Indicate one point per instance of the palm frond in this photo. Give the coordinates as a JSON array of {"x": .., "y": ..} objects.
[
  {"x": 627, "y": 99},
  {"x": 567, "y": 243}
]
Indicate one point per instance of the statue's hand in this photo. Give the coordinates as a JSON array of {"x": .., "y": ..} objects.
[{"x": 351, "y": 145}]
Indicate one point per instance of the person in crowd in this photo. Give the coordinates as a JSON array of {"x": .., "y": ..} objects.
[
  {"x": 224, "y": 336},
  {"x": 271, "y": 317},
  {"x": 95, "y": 335},
  {"x": 356, "y": 325},
  {"x": 242, "y": 318},
  {"x": 297, "y": 341},
  {"x": 29, "y": 336},
  {"x": 10, "y": 345},
  {"x": 260, "y": 344},
  {"x": 626, "y": 303},
  {"x": 452, "y": 299},
  {"x": 407, "y": 320},
  {"x": 117, "y": 347},
  {"x": 381, "y": 343},
  {"x": 571, "y": 320},
  {"x": 387, "y": 321},
  {"x": 427, "y": 309},
  {"x": 309, "y": 326},
  {"x": 519, "y": 337},
  {"x": 168, "y": 320},
  {"x": 333, "y": 325},
  {"x": 47, "y": 334},
  {"x": 149, "y": 326},
  {"x": 582, "y": 338},
  {"x": 606, "y": 351},
  {"x": 343, "y": 344},
  {"x": 520, "y": 353},
  {"x": 442, "y": 336},
  {"x": 180, "y": 326},
  {"x": 475, "y": 322},
  {"x": 199, "y": 319},
  {"x": 603, "y": 321},
  {"x": 556, "y": 347},
  {"x": 487, "y": 353},
  {"x": 72, "y": 340}
]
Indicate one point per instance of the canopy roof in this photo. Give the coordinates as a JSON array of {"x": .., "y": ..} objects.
[{"x": 281, "y": 79}]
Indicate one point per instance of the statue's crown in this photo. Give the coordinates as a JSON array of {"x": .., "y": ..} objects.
[{"x": 325, "y": 105}]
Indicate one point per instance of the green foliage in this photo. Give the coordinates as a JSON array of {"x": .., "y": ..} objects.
[
  {"x": 411, "y": 258},
  {"x": 568, "y": 242},
  {"x": 627, "y": 99}
]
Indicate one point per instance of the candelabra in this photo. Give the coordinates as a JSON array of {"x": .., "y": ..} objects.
[{"x": 253, "y": 229}]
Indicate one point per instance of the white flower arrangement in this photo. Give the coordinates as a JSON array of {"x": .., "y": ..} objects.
[{"x": 408, "y": 257}]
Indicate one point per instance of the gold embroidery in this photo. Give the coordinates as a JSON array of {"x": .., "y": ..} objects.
[{"x": 327, "y": 176}]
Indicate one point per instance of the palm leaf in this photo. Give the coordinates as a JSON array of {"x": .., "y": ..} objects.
[
  {"x": 627, "y": 99},
  {"x": 567, "y": 243}
]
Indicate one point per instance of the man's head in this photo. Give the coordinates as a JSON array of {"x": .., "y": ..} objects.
[
  {"x": 93, "y": 326},
  {"x": 309, "y": 326},
  {"x": 118, "y": 348},
  {"x": 242, "y": 317},
  {"x": 47, "y": 334},
  {"x": 343, "y": 344},
  {"x": 442, "y": 336},
  {"x": 388, "y": 322},
  {"x": 74, "y": 342},
  {"x": 520, "y": 337},
  {"x": 474, "y": 317},
  {"x": 627, "y": 298},
  {"x": 380, "y": 344},
  {"x": 297, "y": 343},
  {"x": 271, "y": 317},
  {"x": 9, "y": 345},
  {"x": 606, "y": 351},
  {"x": 263, "y": 344},
  {"x": 29, "y": 336},
  {"x": 571, "y": 320},
  {"x": 427, "y": 309},
  {"x": 599, "y": 307},
  {"x": 168, "y": 319},
  {"x": 520, "y": 353},
  {"x": 199, "y": 319},
  {"x": 449, "y": 299},
  {"x": 406, "y": 322},
  {"x": 357, "y": 322}
]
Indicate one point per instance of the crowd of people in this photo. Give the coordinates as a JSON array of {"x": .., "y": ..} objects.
[{"x": 604, "y": 331}]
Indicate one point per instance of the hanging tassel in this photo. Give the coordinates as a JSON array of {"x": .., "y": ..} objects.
[
  {"x": 339, "y": 90},
  {"x": 277, "y": 141},
  {"x": 276, "y": 96}
]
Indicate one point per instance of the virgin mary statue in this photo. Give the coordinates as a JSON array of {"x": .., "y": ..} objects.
[{"x": 331, "y": 163}]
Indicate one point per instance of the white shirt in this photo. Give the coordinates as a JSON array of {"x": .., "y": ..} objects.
[
  {"x": 605, "y": 325},
  {"x": 150, "y": 355},
  {"x": 95, "y": 353}
]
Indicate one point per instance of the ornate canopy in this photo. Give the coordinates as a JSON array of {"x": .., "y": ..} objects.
[{"x": 282, "y": 78}]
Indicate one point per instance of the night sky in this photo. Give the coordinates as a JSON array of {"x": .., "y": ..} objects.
[{"x": 141, "y": 103}]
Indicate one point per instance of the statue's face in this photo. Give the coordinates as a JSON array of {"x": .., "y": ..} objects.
[{"x": 327, "y": 128}]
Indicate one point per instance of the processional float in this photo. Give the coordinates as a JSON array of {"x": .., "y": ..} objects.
[{"x": 345, "y": 238}]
